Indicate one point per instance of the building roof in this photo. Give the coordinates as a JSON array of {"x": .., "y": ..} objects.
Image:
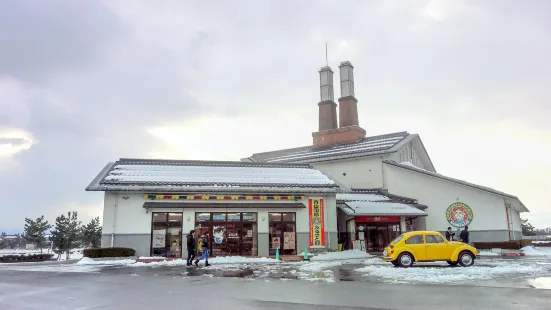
[
  {"x": 410, "y": 167},
  {"x": 379, "y": 208},
  {"x": 368, "y": 146},
  {"x": 376, "y": 202},
  {"x": 219, "y": 176}
]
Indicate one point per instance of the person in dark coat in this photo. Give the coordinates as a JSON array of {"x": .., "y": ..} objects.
[
  {"x": 191, "y": 247},
  {"x": 449, "y": 234},
  {"x": 464, "y": 236},
  {"x": 205, "y": 249}
]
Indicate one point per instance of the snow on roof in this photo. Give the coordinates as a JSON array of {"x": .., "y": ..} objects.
[
  {"x": 135, "y": 172},
  {"x": 361, "y": 197},
  {"x": 373, "y": 202},
  {"x": 366, "y": 146},
  {"x": 379, "y": 208}
]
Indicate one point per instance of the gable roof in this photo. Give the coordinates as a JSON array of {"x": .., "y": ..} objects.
[
  {"x": 377, "y": 202},
  {"x": 411, "y": 167},
  {"x": 368, "y": 146},
  {"x": 219, "y": 176}
]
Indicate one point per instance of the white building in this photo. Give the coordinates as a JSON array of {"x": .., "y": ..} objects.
[
  {"x": 367, "y": 190},
  {"x": 247, "y": 208},
  {"x": 397, "y": 165}
]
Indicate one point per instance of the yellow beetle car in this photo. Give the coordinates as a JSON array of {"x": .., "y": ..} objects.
[{"x": 428, "y": 246}]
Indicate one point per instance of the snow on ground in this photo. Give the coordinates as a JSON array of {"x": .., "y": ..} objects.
[
  {"x": 221, "y": 260},
  {"x": 536, "y": 251},
  {"x": 75, "y": 254},
  {"x": 541, "y": 283},
  {"x": 375, "y": 261},
  {"x": 111, "y": 262},
  {"x": 334, "y": 256},
  {"x": 444, "y": 274},
  {"x": 487, "y": 253},
  {"x": 318, "y": 266}
]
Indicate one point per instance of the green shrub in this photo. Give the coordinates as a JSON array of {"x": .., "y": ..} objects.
[
  {"x": 509, "y": 245},
  {"x": 109, "y": 252}
]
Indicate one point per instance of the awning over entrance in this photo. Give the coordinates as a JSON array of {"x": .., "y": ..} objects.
[{"x": 355, "y": 208}]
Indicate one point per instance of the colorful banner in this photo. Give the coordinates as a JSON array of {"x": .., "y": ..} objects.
[
  {"x": 221, "y": 197},
  {"x": 317, "y": 223}
]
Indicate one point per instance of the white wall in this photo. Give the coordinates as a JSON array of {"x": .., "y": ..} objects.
[
  {"x": 131, "y": 217},
  {"x": 488, "y": 209},
  {"x": 516, "y": 221},
  {"x": 364, "y": 172}
]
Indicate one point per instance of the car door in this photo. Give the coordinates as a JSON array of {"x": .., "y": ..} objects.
[
  {"x": 416, "y": 244},
  {"x": 436, "y": 247}
]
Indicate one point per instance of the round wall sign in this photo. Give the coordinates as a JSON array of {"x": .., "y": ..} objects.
[{"x": 459, "y": 215}]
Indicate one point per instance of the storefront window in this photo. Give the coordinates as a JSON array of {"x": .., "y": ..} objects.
[
  {"x": 166, "y": 234},
  {"x": 282, "y": 233},
  {"x": 231, "y": 233}
]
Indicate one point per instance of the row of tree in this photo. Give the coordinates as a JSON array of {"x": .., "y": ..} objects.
[
  {"x": 66, "y": 234},
  {"x": 529, "y": 230}
]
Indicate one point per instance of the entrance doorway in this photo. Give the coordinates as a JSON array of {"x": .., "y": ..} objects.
[
  {"x": 230, "y": 233},
  {"x": 377, "y": 232}
]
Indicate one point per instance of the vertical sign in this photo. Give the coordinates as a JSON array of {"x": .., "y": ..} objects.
[{"x": 317, "y": 228}]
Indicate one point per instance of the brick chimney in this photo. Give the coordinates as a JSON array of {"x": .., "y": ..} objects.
[
  {"x": 348, "y": 129},
  {"x": 327, "y": 105}
]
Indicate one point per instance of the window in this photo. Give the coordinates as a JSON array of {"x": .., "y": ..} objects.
[
  {"x": 233, "y": 233},
  {"x": 398, "y": 239},
  {"x": 166, "y": 234},
  {"x": 282, "y": 233},
  {"x": 434, "y": 239},
  {"x": 415, "y": 240}
]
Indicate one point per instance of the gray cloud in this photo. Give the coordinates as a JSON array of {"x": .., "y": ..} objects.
[
  {"x": 93, "y": 76},
  {"x": 45, "y": 37}
]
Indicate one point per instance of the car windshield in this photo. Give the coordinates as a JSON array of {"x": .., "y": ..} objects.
[{"x": 400, "y": 237}]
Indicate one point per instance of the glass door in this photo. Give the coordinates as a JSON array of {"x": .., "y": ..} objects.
[{"x": 233, "y": 237}]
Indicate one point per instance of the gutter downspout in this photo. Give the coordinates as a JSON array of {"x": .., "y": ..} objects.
[{"x": 114, "y": 219}]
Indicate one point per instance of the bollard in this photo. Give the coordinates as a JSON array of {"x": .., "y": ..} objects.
[
  {"x": 306, "y": 254},
  {"x": 277, "y": 254}
]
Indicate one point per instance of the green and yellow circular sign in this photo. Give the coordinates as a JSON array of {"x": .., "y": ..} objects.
[{"x": 459, "y": 215}]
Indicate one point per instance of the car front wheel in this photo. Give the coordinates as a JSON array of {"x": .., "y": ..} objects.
[
  {"x": 466, "y": 259},
  {"x": 405, "y": 260}
]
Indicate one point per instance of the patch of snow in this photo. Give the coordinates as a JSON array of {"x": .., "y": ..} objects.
[
  {"x": 319, "y": 266},
  {"x": 215, "y": 260},
  {"x": 411, "y": 165},
  {"x": 446, "y": 274},
  {"x": 241, "y": 260},
  {"x": 363, "y": 146},
  {"x": 487, "y": 253},
  {"x": 536, "y": 251},
  {"x": 151, "y": 257},
  {"x": 375, "y": 261},
  {"x": 349, "y": 254},
  {"x": 308, "y": 253},
  {"x": 89, "y": 261},
  {"x": 219, "y": 174},
  {"x": 541, "y": 283}
]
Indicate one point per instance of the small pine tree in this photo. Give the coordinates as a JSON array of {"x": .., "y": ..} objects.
[
  {"x": 67, "y": 234},
  {"x": 59, "y": 235},
  {"x": 91, "y": 234},
  {"x": 3, "y": 241},
  {"x": 35, "y": 231}
]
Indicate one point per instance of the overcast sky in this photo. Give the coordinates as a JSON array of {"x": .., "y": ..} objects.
[{"x": 83, "y": 83}]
